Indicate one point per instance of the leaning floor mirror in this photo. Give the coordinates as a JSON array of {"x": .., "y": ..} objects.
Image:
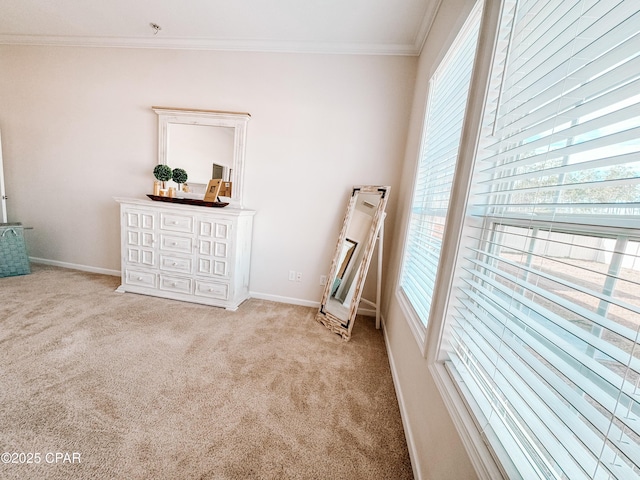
[{"x": 356, "y": 242}]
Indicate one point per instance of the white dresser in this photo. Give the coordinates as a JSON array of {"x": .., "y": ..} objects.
[{"x": 183, "y": 252}]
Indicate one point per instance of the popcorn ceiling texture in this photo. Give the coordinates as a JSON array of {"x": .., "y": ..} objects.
[{"x": 145, "y": 387}]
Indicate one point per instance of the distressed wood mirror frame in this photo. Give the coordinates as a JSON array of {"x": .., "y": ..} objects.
[{"x": 333, "y": 313}]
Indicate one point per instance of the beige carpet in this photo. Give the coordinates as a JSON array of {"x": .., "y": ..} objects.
[{"x": 141, "y": 387}]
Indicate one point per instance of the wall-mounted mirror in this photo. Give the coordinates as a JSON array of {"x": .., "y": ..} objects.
[
  {"x": 352, "y": 257},
  {"x": 204, "y": 143}
]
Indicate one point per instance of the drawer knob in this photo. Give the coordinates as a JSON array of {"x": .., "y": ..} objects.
[
  {"x": 139, "y": 279},
  {"x": 173, "y": 284},
  {"x": 174, "y": 244},
  {"x": 175, "y": 264}
]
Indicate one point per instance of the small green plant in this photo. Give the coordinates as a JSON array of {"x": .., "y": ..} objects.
[
  {"x": 179, "y": 176},
  {"x": 163, "y": 173}
]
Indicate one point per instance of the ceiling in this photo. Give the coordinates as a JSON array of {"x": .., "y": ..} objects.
[{"x": 388, "y": 27}]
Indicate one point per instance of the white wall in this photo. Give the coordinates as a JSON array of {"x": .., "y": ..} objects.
[
  {"x": 437, "y": 451},
  {"x": 78, "y": 130}
]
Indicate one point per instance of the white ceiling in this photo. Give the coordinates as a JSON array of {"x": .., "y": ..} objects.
[{"x": 395, "y": 27}]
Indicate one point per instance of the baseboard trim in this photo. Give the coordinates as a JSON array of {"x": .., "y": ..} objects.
[
  {"x": 75, "y": 266},
  {"x": 368, "y": 312},
  {"x": 258, "y": 295},
  {"x": 281, "y": 299},
  {"x": 408, "y": 433}
]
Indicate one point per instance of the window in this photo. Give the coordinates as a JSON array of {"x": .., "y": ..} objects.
[
  {"x": 543, "y": 324},
  {"x": 448, "y": 92}
]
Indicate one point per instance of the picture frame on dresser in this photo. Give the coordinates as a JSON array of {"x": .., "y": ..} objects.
[{"x": 213, "y": 190}]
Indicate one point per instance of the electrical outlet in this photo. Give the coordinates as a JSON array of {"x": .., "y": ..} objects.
[
  {"x": 298, "y": 276},
  {"x": 292, "y": 276},
  {"x": 323, "y": 280}
]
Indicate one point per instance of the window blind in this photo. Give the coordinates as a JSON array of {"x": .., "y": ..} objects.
[
  {"x": 544, "y": 320},
  {"x": 448, "y": 93}
]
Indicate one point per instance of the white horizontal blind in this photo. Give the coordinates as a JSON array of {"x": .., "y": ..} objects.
[
  {"x": 544, "y": 323},
  {"x": 448, "y": 93}
]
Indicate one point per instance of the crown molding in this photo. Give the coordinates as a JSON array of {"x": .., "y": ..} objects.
[
  {"x": 425, "y": 26},
  {"x": 223, "y": 45}
]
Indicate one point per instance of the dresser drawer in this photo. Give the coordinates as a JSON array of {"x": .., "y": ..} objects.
[
  {"x": 176, "y": 223},
  {"x": 207, "y": 246},
  {"x": 218, "y": 229},
  {"x": 174, "y": 243},
  {"x": 212, "y": 290},
  {"x": 176, "y": 264},
  {"x": 211, "y": 266},
  {"x": 139, "y": 219},
  {"x": 141, "y": 256},
  {"x": 139, "y": 278},
  {"x": 140, "y": 238},
  {"x": 175, "y": 284}
]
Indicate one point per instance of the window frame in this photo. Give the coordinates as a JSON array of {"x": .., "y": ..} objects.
[
  {"x": 481, "y": 456},
  {"x": 418, "y": 328},
  {"x": 448, "y": 382}
]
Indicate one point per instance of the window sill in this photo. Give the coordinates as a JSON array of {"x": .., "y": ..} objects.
[{"x": 480, "y": 456}]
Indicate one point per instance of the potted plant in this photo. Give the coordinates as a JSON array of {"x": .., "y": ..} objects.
[
  {"x": 163, "y": 173},
  {"x": 179, "y": 176}
]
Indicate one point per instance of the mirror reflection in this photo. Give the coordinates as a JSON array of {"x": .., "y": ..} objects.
[
  {"x": 344, "y": 271},
  {"x": 197, "y": 148},
  {"x": 352, "y": 258}
]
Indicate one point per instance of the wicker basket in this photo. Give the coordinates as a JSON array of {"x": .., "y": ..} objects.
[{"x": 13, "y": 251}]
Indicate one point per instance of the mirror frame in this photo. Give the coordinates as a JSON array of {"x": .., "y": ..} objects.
[
  {"x": 332, "y": 322},
  {"x": 213, "y": 118}
]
